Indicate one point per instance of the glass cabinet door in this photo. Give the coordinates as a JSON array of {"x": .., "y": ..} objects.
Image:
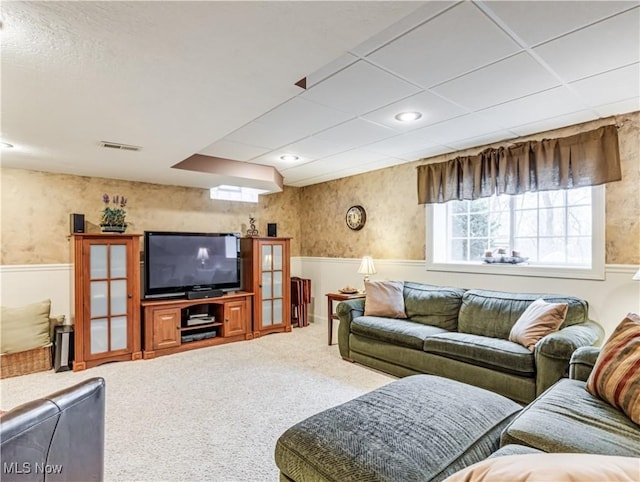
[
  {"x": 271, "y": 257},
  {"x": 108, "y": 298}
]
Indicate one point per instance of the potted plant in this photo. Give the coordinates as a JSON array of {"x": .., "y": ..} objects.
[{"x": 113, "y": 217}]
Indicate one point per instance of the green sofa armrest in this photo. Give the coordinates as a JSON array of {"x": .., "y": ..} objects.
[
  {"x": 554, "y": 351},
  {"x": 347, "y": 311},
  {"x": 582, "y": 362}
]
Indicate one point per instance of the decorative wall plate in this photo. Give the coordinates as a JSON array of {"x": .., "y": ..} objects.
[{"x": 356, "y": 217}]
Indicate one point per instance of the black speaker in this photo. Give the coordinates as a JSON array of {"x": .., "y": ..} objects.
[
  {"x": 63, "y": 352},
  {"x": 272, "y": 230},
  {"x": 77, "y": 223}
]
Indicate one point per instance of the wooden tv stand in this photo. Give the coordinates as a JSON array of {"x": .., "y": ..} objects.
[{"x": 172, "y": 326}]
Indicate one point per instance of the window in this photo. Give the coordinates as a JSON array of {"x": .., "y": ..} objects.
[
  {"x": 560, "y": 232},
  {"x": 235, "y": 193}
]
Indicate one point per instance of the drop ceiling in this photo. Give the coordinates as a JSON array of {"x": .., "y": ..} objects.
[{"x": 218, "y": 79}]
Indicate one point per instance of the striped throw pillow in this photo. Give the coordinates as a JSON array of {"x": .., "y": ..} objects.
[{"x": 616, "y": 374}]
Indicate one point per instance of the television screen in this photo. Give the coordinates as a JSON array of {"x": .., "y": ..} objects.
[{"x": 179, "y": 262}]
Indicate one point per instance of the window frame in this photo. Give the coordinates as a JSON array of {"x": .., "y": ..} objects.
[{"x": 596, "y": 271}]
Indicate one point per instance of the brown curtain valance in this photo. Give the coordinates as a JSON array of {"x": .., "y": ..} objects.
[{"x": 585, "y": 159}]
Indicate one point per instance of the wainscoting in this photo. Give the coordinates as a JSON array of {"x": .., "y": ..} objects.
[{"x": 609, "y": 300}]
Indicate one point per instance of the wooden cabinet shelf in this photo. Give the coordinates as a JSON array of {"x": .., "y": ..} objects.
[
  {"x": 196, "y": 327},
  {"x": 165, "y": 328}
]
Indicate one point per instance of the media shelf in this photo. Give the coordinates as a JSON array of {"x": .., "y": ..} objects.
[{"x": 172, "y": 326}]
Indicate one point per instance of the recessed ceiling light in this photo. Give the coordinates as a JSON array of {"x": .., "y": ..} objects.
[
  {"x": 5, "y": 145},
  {"x": 408, "y": 116},
  {"x": 289, "y": 158}
]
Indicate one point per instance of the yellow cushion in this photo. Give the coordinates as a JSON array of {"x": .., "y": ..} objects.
[
  {"x": 384, "y": 298},
  {"x": 538, "y": 320},
  {"x": 551, "y": 468},
  {"x": 24, "y": 328},
  {"x": 615, "y": 377}
]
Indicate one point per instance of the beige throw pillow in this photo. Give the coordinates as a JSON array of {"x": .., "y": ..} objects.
[
  {"x": 384, "y": 298},
  {"x": 24, "y": 328},
  {"x": 538, "y": 320},
  {"x": 558, "y": 467},
  {"x": 615, "y": 377}
]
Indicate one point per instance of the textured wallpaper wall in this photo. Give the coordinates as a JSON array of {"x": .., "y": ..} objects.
[
  {"x": 36, "y": 206},
  {"x": 395, "y": 226}
]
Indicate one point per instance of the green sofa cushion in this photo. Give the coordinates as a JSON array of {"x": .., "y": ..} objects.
[
  {"x": 501, "y": 355},
  {"x": 394, "y": 331},
  {"x": 493, "y": 313},
  {"x": 567, "y": 418},
  {"x": 433, "y": 305}
]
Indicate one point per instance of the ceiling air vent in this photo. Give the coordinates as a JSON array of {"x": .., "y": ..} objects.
[{"x": 117, "y": 145}]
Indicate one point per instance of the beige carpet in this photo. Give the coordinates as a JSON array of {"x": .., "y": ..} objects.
[{"x": 213, "y": 413}]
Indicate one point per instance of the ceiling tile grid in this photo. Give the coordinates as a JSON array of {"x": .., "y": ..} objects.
[{"x": 477, "y": 71}]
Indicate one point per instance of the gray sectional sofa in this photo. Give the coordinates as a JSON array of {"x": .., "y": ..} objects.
[
  {"x": 427, "y": 428},
  {"x": 568, "y": 419},
  {"x": 463, "y": 335}
]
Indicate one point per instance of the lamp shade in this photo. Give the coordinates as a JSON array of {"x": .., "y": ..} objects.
[
  {"x": 366, "y": 266},
  {"x": 203, "y": 254},
  {"x": 636, "y": 276}
]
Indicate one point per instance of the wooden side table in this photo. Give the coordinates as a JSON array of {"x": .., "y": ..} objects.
[{"x": 331, "y": 297}]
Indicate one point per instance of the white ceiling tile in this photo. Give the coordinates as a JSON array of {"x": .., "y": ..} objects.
[
  {"x": 312, "y": 148},
  {"x": 622, "y": 107},
  {"x": 330, "y": 69},
  {"x": 310, "y": 169},
  {"x": 355, "y": 133},
  {"x": 470, "y": 125},
  {"x": 353, "y": 157},
  {"x": 601, "y": 47},
  {"x": 359, "y": 88},
  {"x": 398, "y": 145},
  {"x": 261, "y": 135},
  {"x": 459, "y": 40},
  {"x": 426, "y": 153},
  {"x": 333, "y": 171},
  {"x": 409, "y": 22},
  {"x": 482, "y": 140},
  {"x": 610, "y": 87},
  {"x": 273, "y": 159},
  {"x": 432, "y": 107},
  {"x": 502, "y": 81},
  {"x": 232, "y": 150},
  {"x": 301, "y": 118},
  {"x": 537, "y": 21},
  {"x": 543, "y": 105},
  {"x": 554, "y": 123}
]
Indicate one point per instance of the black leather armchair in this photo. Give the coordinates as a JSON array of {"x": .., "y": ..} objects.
[{"x": 57, "y": 438}]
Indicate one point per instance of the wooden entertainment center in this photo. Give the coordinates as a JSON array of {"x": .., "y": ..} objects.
[
  {"x": 172, "y": 326},
  {"x": 113, "y": 323}
]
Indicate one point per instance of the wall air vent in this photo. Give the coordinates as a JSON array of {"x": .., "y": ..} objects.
[{"x": 117, "y": 145}]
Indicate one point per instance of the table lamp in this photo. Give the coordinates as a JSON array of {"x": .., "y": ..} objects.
[{"x": 366, "y": 267}]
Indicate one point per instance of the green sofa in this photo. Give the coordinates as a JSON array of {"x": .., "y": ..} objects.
[
  {"x": 464, "y": 335},
  {"x": 568, "y": 419}
]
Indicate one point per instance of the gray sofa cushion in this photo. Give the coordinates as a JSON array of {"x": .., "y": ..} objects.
[
  {"x": 433, "y": 305},
  {"x": 502, "y": 355},
  {"x": 493, "y": 313},
  {"x": 418, "y": 428},
  {"x": 566, "y": 418},
  {"x": 394, "y": 331}
]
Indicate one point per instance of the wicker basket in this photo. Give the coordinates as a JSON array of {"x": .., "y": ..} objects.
[{"x": 24, "y": 362}]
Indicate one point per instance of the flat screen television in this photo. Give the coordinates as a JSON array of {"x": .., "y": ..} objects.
[{"x": 177, "y": 263}]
